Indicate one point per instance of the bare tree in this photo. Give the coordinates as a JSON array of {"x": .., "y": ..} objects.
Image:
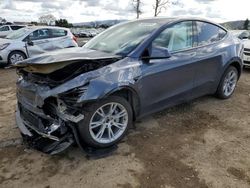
[
  {"x": 137, "y": 7},
  {"x": 162, "y": 4},
  {"x": 47, "y": 19}
]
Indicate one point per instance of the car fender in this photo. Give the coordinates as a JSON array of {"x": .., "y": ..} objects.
[
  {"x": 114, "y": 81},
  {"x": 18, "y": 46}
]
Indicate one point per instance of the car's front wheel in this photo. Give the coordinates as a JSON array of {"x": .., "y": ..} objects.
[
  {"x": 106, "y": 122},
  {"x": 228, "y": 83},
  {"x": 15, "y": 57}
]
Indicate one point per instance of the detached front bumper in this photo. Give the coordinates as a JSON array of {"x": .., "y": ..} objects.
[{"x": 44, "y": 134}]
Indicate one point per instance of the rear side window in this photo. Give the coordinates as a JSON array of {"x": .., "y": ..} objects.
[
  {"x": 16, "y": 27},
  {"x": 208, "y": 33},
  {"x": 4, "y": 28},
  {"x": 58, "y": 33}
]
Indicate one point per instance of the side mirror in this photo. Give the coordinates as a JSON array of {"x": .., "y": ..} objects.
[
  {"x": 156, "y": 52},
  {"x": 30, "y": 42}
]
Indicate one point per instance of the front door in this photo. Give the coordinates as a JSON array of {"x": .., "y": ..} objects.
[
  {"x": 39, "y": 42},
  {"x": 166, "y": 82}
]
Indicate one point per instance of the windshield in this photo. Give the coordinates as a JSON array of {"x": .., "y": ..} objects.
[
  {"x": 17, "y": 34},
  {"x": 123, "y": 38}
]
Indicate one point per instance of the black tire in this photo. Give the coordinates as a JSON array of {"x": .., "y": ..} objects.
[
  {"x": 220, "y": 93},
  {"x": 89, "y": 111},
  {"x": 13, "y": 53}
]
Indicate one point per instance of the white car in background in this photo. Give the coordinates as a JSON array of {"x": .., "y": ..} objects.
[
  {"x": 246, "y": 56},
  {"x": 31, "y": 41},
  {"x": 244, "y": 35},
  {"x": 7, "y": 29}
]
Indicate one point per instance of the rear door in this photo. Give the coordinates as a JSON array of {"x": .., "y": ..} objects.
[
  {"x": 169, "y": 81},
  {"x": 209, "y": 57},
  {"x": 60, "y": 38},
  {"x": 40, "y": 42}
]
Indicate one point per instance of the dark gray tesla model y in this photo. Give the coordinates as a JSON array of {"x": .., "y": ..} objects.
[{"x": 92, "y": 95}]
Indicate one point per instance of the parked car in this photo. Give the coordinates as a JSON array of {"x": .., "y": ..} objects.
[
  {"x": 84, "y": 34},
  {"x": 244, "y": 35},
  {"x": 246, "y": 57},
  {"x": 7, "y": 29},
  {"x": 91, "y": 95},
  {"x": 31, "y": 41}
]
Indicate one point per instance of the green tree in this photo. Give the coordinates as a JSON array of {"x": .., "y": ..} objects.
[
  {"x": 246, "y": 24},
  {"x": 63, "y": 23}
]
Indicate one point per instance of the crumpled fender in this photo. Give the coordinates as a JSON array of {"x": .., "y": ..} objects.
[
  {"x": 100, "y": 82},
  {"x": 109, "y": 83}
]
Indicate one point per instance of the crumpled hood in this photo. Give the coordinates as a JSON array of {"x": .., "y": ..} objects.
[{"x": 66, "y": 55}]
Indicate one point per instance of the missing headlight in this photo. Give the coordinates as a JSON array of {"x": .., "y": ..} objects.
[{"x": 70, "y": 97}]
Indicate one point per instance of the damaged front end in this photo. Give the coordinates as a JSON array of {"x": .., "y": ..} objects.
[{"x": 50, "y": 100}]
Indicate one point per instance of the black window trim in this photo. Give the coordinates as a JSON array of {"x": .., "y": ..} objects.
[
  {"x": 194, "y": 29},
  {"x": 213, "y": 25}
]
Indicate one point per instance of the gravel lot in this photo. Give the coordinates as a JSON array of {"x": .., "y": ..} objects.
[{"x": 204, "y": 143}]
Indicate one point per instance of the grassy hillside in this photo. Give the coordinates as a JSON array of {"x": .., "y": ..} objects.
[{"x": 234, "y": 25}]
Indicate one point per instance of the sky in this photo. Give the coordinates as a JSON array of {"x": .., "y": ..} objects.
[{"x": 76, "y": 11}]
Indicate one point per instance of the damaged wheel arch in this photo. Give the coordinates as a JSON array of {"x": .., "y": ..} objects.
[{"x": 131, "y": 96}]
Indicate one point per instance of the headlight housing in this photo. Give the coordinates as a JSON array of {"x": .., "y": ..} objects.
[
  {"x": 70, "y": 97},
  {"x": 3, "y": 46}
]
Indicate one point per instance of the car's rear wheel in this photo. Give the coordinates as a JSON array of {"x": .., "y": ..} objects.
[
  {"x": 106, "y": 122},
  {"x": 15, "y": 57},
  {"x": 228, "y": 83}
]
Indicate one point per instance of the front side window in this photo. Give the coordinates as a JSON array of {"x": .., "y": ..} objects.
[
  {"x": 208, "y": 33},
  {"x": 176, "y": 38},
  {"x": 4, "y": 28},
  {"x": 58, "y": 33},
  {"x": 39, "y": 34}
]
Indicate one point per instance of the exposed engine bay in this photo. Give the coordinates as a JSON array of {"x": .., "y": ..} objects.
[
  {"x": 50, "y": 126},
  {"x": 59, "y": 73}
]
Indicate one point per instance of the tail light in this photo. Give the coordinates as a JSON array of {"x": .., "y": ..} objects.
[{"x": 74, "y": 38}]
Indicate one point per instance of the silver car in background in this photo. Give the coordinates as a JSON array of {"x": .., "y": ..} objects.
[
  {"x": 7, "y": 29},
  {"x": 32, "y": 41}
]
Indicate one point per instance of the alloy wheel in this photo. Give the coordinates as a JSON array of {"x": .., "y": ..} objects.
[
  {"x": 16, "y": 58},
  {"x": 108, "y": 123},
  {"x": 230, "y": 82}
]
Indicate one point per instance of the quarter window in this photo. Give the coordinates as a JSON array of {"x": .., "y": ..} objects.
[
  {"x": 175, "y": 38},
  {"x": 58, "y": 33},
  {"x": 209, "y": 33}
]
